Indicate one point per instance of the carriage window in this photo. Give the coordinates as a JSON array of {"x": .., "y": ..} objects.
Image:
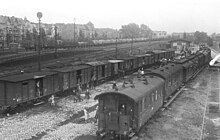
[
  {"x": 103, "y": 70},
  {"x": 169, "y": 82},
  {"x": 122, "y": 109},
  {"x": 140, "y": 106},
  {"x": 145, "y": 102},
  {"x": 152, "y": 97}
]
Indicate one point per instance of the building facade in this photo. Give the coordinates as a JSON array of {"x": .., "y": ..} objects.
[{"x": 159, "y": 34}]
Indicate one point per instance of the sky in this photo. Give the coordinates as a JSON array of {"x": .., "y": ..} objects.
[{"x": 159, "y": 15}]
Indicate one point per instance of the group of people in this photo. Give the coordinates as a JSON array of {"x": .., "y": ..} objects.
[{"x": 76, "y": 94}]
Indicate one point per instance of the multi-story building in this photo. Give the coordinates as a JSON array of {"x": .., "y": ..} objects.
[
  {"x": 183, "y": 35},
  {"x": 159, "y": 34},
  {"x": 75, "y": 32},
  {"x": 11, "y": 31}
]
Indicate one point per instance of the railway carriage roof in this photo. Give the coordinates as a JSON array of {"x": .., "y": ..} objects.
[
  {"x": 165, "y": 71},
  {"x": 126, "y": 58},
  {"x": 188, "y": 64},
  {"x": 115, "y": 61},
  {"x": 141, "y": 89},
  {"x": 72, "y": 68},
  {"x": 26, "y": 76},
  {"x": 142, "y": 55},
  {"x": 97, "y": 63},
  {"x": 180, "y": 61}
]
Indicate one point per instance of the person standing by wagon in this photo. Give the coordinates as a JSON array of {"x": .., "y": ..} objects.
[
  {"x": 51, "y": 100},
  {"x": 86, "y": 114},
  {"x": 96, "y": 114},
  {"x": 93, "y": 82},
  {"x": 87, "y": 94}
]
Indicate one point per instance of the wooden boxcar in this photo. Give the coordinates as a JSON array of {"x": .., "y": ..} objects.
[
  {"x": 101, "y": 69},
  {"x": 115, "y": 66},
  {"x": 130, "y": 63},
  {"x": 70, "y": 76},
  {"x": 143, "y": 60},
  {"x": 25, "y": 87}
]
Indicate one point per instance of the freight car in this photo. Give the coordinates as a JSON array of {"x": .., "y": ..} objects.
[
  {"x": 18, "y": 89},
  {"x": 63, "y": 79},
  {"x": 122, "y": 113}
]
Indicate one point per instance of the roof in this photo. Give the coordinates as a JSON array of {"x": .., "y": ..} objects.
[
  {"x": 25, "y": 76},
  {"x": 72, "y": 68},
  {"x": 142, "y": 55},
  {"x": 141, "y": 89},
  {"x": 180, "y": 61},
  {"x": 115, "y": 61},
  {"x": 188, "y": 64},
  {"x": 165, "y": 71},
  {"x": 96, "y": 63},
  {"x": 126, "y": 58}
]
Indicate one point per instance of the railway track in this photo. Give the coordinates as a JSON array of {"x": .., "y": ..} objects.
[
  {"x": 211, "y": 117},
  {"x": 106, "y": 53}
]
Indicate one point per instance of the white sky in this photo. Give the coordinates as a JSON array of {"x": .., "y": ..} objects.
[{"x": 167, "y": 15}]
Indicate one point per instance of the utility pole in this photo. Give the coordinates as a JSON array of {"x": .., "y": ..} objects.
[
  {"x": 116, "y": 48},
  {"x": 131, "y": 44},
  {"x": 39, "y": 15},
  {"x": 55, "y": 28},
  {"x": 74, "y": 26}
]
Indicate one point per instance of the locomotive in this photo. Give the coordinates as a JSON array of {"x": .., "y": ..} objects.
[{"x": 123, "y": 112}]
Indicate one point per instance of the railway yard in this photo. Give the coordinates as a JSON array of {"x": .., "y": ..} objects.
[{"x": 194, "y": 114}]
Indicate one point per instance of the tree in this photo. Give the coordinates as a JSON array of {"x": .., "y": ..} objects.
[
  {"x": 210, "y": 41},
  {"x": 202, "y": 37},
  {"x": 81, "y": 36},
  {"x": 96, "y": 35},
  {"x": 145, "y": 31},
  {"x": 131, "y": 30}
]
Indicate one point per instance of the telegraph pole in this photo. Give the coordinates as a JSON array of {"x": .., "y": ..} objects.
[
  {"x": 55, "y": 28},
  {"x": 39, "y": 15},
  {"x": 116, "y": 48},
  {"x": 74, "y": 26},
  {"x": 131, "y": 44}
]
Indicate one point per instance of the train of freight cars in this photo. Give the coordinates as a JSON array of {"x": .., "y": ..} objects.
[
  {"x": 22, "y": 88},
  {"x": 122, "y": 112}
]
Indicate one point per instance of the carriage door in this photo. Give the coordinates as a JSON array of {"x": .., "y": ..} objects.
[
  {"x": 103, "y": 70},
  {"x": 124, "y": 118},
  {"x": 25, "y": 91},
  {"x": 39, "y": 87},
  {"x": 112, "y": 69},
  {"x": 78, "y": 76},
  {"x": 112, "y": 116}
]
